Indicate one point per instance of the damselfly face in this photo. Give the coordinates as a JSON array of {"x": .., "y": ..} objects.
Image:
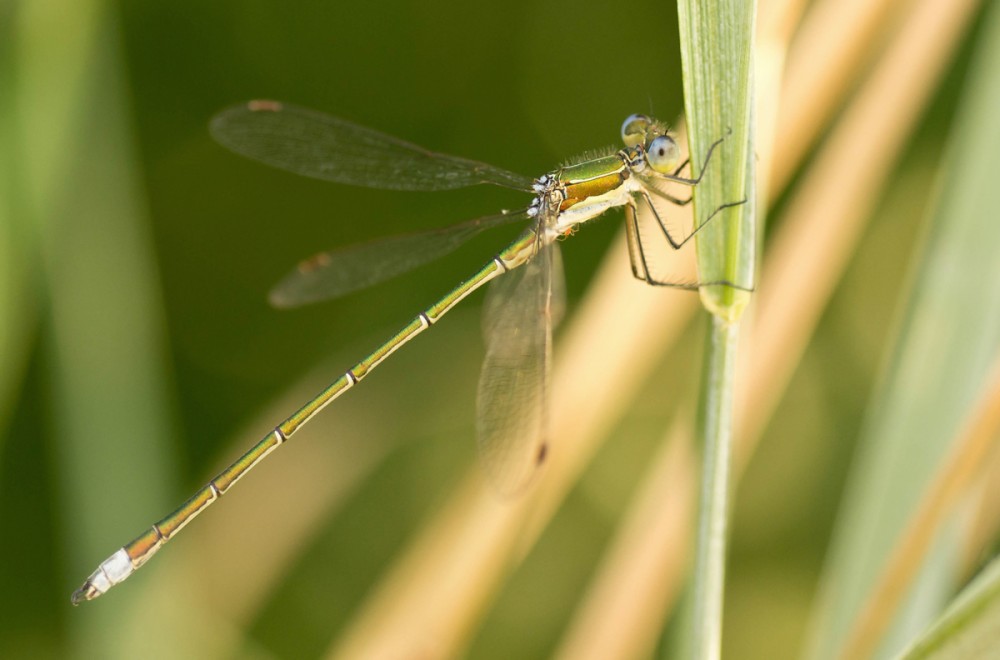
[{"x": 662, "y": 152}]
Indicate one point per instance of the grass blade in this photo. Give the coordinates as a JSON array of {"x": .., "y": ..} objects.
[
  {"x": 716, "y": 51},
  {"x": 945, "y": 346},
  {"x": 969, "y": 629}
]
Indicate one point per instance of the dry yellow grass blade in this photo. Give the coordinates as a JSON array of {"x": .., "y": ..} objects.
[
  {"x": 777, "y": 22},
  {"x": 429, "y": 600},
  {"x": 293, "y": 498},
  {"x": 825, "y": 218},
  {"x": 832, "y": 48},
  {"x": 956, "y": 477},
  {"x": 643, "y": 571},
  {"x": 985, "y": 518}
]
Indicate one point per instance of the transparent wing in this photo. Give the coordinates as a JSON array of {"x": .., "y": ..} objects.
[
  {"x": 347, "y": 269},
  {"x": 317, "y": 145},
  {"x": 511, "y": 421}
]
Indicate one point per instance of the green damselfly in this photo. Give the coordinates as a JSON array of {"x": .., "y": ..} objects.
[{"x": 521, "y": 308}]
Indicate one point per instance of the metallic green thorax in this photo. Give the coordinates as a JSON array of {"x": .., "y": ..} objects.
[{"x": 594, "y": 177}]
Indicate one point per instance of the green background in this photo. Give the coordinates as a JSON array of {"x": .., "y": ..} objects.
[{"x": 186, "y": 239}]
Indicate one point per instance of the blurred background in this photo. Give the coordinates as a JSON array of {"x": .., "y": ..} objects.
[{"x": 138, "y": 354}]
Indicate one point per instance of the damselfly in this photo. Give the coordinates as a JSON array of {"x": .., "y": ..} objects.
[{"x": 520, "y": 310}]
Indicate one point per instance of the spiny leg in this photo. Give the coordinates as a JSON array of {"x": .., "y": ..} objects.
[
  {"x": 675, "y": 244},
  {"x": 695, "y": 286},
  {"x": 633, "y": 236},
  {"x": 676, "y": 201},
  {"x": 636, "y": 258}
]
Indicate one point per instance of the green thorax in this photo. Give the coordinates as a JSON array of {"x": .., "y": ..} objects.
[{"x": 594, "y": 177}]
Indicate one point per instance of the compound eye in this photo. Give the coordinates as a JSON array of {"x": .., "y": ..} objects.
[
  {"x": 634, "y": 130},
  {"x": 663, "y": 154}
]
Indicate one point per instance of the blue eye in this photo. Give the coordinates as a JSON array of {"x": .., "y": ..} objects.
[
  {"x": 663, "y": 154},
  {"x": 634, "y": 130}
]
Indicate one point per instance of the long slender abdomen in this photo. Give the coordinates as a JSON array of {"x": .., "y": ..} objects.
[{"x": 119, "y": 566}]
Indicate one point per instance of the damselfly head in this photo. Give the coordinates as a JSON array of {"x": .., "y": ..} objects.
[{"x": 662, "y": 152}]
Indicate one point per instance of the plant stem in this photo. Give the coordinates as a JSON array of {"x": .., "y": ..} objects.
[{"x": 716, "y": 420}]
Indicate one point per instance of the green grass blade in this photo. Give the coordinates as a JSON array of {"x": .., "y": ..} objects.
[
  {"x": 716, "y": 51},
  {"x": 948, "y": 338},
  {"x": 716, "y": 47},
  {"x": 104, "y": 324},
  {"x": 18, "y": 249},
  {"x": 969, "y": 628},
  {"x": 716, "y": 421}
]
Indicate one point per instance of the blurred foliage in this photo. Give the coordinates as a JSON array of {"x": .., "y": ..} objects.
[{"x": 137, "y": 346}]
